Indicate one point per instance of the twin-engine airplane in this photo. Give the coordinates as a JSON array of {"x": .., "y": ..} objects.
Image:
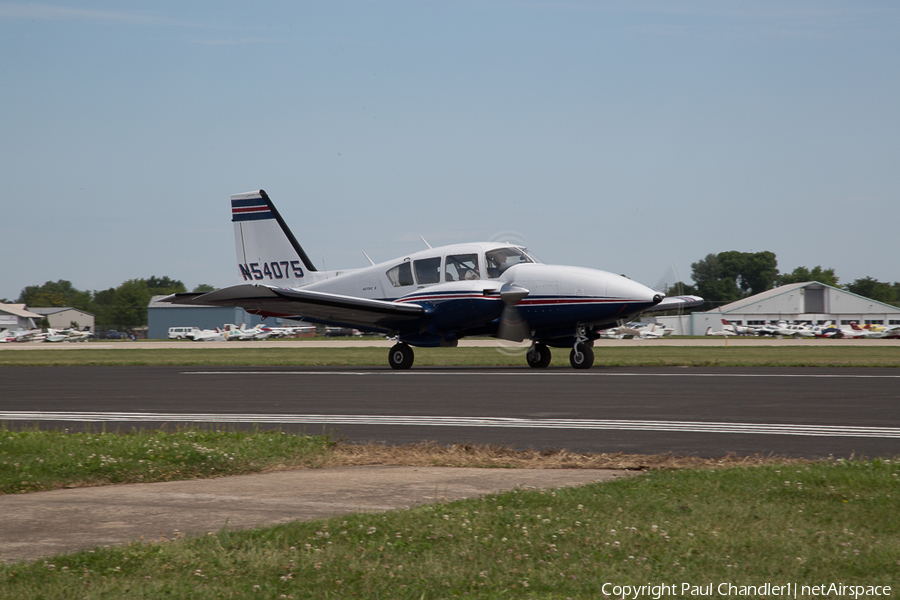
[{"x": 430, "y": 298}]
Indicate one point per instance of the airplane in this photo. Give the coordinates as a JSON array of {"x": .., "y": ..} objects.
[
  {"x": 433, "y": 297},
  {"x": 233, "y": 332},
  {"x": 207, "y": 335},
  {"x": 777, "y": 329},
  {"x": 23, "y": 335},
  {"x": 723, "y": 332},
  {"x": 67, "y": 335},
  {"x": 290, "y": 330},
  {"x": 873, "y": 331},
  {"x": 654, "y": 331},
  {"x": 622, "y": 332},
  {"x": 738, "y": 329},
  {"x": 827, "y": 330}
]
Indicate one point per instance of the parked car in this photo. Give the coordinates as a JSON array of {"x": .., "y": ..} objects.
[{"x": 180, "y": 333}]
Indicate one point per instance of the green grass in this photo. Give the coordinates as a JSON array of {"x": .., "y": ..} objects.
[
  {"x": 34, "y": 460},
  {"x": 761, "y": 356},
  {"x": 810, "y": 525}
]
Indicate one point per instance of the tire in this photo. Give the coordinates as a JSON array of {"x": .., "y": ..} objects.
[
  {"x": 581, "y": 357},
  {"x": 539, "y": 357},
  {"x": 401, "y": 356}
]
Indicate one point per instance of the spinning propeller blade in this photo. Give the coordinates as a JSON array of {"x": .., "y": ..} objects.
[{"x": 512, "y": 327}]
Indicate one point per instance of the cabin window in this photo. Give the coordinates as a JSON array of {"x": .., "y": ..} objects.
[
  {"x": 460, "y": 267},
  {"x": 499, "y": 260},
  {"x": 400, "y": 275},
  {"x": 428, "y": 270}
]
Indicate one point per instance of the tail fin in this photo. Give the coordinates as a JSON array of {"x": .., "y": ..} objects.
[{"x": 267, "y": 251}]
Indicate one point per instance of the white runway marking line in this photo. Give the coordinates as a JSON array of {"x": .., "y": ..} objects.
[
  {"x": 502, "y": 422},
  {"x": 538, "y": 374}
]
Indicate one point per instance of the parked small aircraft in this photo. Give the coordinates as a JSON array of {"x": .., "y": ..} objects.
[
  {"x": 207, "y": 335},
  {"x": 433, "y": 297},
  {"x": 287, "y": 331},
  {"x": 723, "y": 332},
  {"x": 233, "y": 332},
  {"x": 67, "y": 335},
  {"x": 873, "y": 331}
]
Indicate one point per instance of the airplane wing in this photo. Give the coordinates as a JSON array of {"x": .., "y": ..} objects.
[
  {"x": 315, "y": 306},
  {"x": 676, "y": 303}
]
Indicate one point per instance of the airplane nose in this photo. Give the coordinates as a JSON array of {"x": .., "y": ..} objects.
[{"x": 658, "y": 298}]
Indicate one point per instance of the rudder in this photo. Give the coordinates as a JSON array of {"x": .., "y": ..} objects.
[{"x": 267, "y": 251}]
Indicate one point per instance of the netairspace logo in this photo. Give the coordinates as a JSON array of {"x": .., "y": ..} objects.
[{"x": 785, "y": 590}]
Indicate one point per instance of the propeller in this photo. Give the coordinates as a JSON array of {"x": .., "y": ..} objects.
[{"x": 512, "y": 327}]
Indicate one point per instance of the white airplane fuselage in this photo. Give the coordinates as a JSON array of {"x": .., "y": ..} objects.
[{"x": 559, "y": 297}]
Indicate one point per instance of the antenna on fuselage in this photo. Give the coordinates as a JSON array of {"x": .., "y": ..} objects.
[
  {"x": 426, "y": 242},
  {"x": 371, "y": 262}
]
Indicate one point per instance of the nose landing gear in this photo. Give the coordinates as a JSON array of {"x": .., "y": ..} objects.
[{"x": 582, "y": 354}]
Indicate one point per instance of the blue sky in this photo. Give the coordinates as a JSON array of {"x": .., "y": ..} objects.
[{"x": 635, "y": 137}]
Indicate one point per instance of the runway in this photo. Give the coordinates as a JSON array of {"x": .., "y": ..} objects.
[{"x": 708, "y": 412}]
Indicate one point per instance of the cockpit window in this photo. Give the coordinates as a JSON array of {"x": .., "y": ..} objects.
[
  {"x": 428, "y": 270},
  {"x": 400, "y": 275},
  {"x": 499, "y": 260},
  {"x": 459, "y": 267}
]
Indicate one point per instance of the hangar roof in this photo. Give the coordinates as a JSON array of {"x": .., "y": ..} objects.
[
  {"x": 754, "y": 301},
  {"x": 19, "y": 310}
]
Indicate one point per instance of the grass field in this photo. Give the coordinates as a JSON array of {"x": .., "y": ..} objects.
[
  {"x": 805, "y": 525},
  {"x": 36, "y": 460},
  {"x": 757, "y": 356}
]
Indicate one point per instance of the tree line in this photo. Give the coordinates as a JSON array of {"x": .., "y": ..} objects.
[
  {"x": 719, "y": 278},
  {"x": 729, "y": 276},
  {"x": 123, "y": 307}
]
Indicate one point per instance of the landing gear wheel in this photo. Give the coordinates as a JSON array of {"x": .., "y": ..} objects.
[
  {"x": 581, "y": 356},
  {"x": 401, "y": 356},
  {"x": 538, "y": 356}
]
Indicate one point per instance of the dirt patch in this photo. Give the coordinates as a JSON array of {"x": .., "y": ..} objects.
[{"x": 489, "y": 456}]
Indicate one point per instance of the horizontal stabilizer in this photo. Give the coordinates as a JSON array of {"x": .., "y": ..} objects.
[{"x": 299, "y": 303}]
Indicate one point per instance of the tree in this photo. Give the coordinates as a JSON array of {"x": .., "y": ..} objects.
[
  {"x": 125, "y": 307},
  {"x": 131, "y": 300},
  {"x": 712, "y": 284},
  {"x": 874, "y": 289},
  {"x": 56, "y": 293},
  {"x": 203, "y": 287},
  {"x": 680, "y": 288},
  {"x": 158, "y": 286},
  {"x": 802, "y": 274},
  {"x": 752, "y": 272}
]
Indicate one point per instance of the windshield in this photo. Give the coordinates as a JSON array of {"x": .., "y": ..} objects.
[{"x": 499, "y": 260}]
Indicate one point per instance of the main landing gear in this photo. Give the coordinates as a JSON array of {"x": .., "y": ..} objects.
[
  {"x": 401, "y": 356},
  {"x": 538, "y": 356},
  {"x": 581, "y": 356}
]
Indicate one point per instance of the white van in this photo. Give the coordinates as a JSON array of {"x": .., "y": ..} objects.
[{"x": 180, "y": 333}]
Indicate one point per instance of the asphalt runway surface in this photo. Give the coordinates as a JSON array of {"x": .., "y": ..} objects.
[{"x": 710, "y": 412}]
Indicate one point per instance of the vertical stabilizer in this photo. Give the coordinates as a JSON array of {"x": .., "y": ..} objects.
[{"x": 267, "y": 251}]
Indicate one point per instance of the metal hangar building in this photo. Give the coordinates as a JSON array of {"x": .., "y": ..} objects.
[{"x": 804, "y": 302}]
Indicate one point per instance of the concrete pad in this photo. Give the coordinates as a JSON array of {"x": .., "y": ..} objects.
[{"x": 42, "y": 524}]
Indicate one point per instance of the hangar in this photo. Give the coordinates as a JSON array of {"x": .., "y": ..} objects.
[
  {"x": 162, "y": 315},
  {"x": 804, "y": 302},
  {"x": 64, "y": 317},
  {"x": 17, "y": 316}
]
